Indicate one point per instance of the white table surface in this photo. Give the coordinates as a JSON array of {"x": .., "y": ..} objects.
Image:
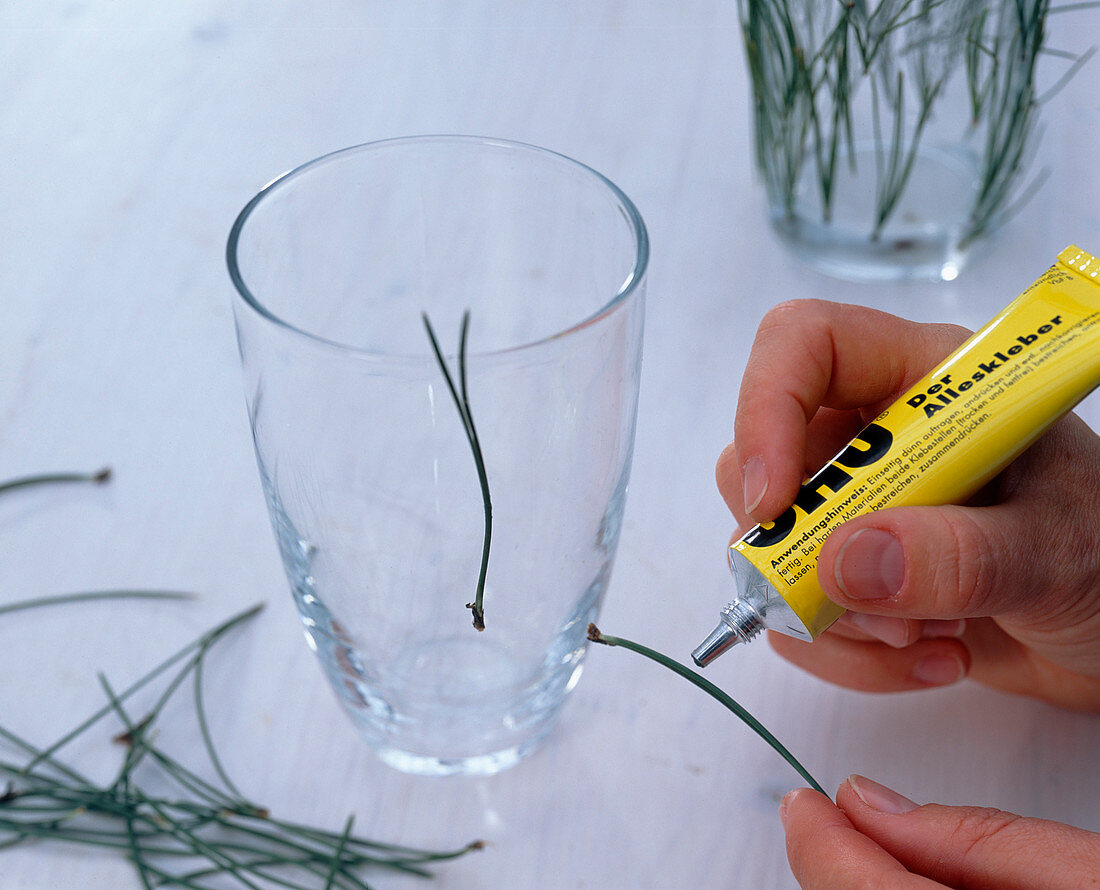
[{"x": 132, "y": 132}]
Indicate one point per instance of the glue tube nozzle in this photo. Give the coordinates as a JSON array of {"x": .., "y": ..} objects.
[{"x": 740, "y": 623}]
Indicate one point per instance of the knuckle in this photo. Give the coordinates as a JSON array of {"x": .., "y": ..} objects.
[
  {"x": 950, "y": 334},
  {"x": 963, "y": 568},
  {"x": 1057, "y": 481},
  {"x": 982, "y": 831},
  {"x": 804, "y": 328},
  {"x": 806, "y": 322}
]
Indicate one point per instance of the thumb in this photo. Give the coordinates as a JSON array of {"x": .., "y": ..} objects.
[
  {"x": 972, "y": 846},
  {"x": 934, "y": 562}
]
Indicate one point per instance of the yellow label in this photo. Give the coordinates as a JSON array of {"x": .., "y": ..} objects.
[{"x": 952, "y": 432}]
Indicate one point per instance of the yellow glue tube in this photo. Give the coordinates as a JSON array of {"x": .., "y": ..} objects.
[{"x": 952, "y": 432}]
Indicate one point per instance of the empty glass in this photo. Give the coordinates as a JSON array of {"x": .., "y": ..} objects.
[{"x": 365, "y": 455}]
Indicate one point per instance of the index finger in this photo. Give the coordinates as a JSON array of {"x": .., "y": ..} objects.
[{"x": 810, "y": 354}]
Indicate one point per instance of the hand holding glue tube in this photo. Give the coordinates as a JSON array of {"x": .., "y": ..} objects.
[
  {"x": 1005, "y": 589},
  {"x": 921, "y": 439}
]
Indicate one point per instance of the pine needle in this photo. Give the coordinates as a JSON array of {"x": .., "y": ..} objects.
[
  {"x": 98, "y": 477},
  {"x": 62, "y": 599},
  {"x": 715, "y": 692}
]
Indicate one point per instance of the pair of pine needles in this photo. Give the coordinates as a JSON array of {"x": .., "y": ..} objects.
[{"x": 461, "y": 398}]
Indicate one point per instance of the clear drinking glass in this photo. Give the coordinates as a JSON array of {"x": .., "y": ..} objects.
[
  {"x": 892, "y": 136},
  {"x": 366, "y": 463}
]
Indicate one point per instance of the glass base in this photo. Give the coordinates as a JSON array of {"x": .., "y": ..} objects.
[
  {"x": 921, "y": 238},
  {"x": 455, "y": 706},
  {"x": 476, "y": 765},
  {"x": 450, "y": 701},
  {"x": 840, "y": 255}
]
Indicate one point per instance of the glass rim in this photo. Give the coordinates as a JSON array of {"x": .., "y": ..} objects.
[{"x": 629, "y": 286}]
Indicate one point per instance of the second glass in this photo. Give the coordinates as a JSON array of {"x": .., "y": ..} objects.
[
  {"x": 892, "y": 136},
  {"x": 383, "y": 463}
]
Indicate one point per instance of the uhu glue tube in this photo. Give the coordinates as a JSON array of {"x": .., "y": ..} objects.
[{"x": 958, "y": 427}]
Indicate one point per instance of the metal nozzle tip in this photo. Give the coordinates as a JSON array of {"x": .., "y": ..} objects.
[
  {"x": 721, "y": 638},
  {"x": 740, "y": 623}
]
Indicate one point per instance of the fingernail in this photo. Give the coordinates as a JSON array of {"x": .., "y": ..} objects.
[
  {"x": 935, "y": 628},
  {"x": 870, "y": 565},
  {"x": 754, "y": 479},
  {"x": 892, "y": 631},
  {"x": 879, "y": 797},
  {"x": 784, "y": 804},
  {"x": 938, "y": 670}
]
